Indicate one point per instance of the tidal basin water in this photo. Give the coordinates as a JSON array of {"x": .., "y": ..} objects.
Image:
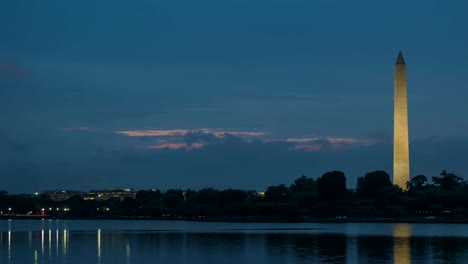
[{"x": 115, "y": 241}]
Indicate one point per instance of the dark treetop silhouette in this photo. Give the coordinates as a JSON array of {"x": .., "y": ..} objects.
[{"x": 325, "y": 197}]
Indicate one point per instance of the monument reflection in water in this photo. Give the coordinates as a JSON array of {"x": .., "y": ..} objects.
[
  {"x": 401, "y": 236},
  {"x": 183, "y": 242}
]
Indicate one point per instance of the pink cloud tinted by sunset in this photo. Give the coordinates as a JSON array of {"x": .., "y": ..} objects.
[
  {"x": 183, "y": 132},
  {"x": 154, "y": 133},
  {"x": 176, "y": 139}
]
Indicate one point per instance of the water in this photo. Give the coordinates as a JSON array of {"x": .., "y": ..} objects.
[{"x": 102, "y": 241}]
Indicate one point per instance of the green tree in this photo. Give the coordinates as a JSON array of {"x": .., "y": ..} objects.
[
  {"x": 144, "y": 197},
  {"x": 304, "y": 192},
  {"x": 416, "y": 183},
  {"x": 4, "y": 200},
  {"x": 303, "y": 184},
  {"x": 173, "y": 198},
  {"x": 448, "y": 181},
  {"x": 155, "y": 208},
  {"x": 79, "y": 207},
  {"x": 130, "y": 205},
  {"x": 230, "y": 196},
  {"x": 369, "y": 186},
  {"x": 207, "y": 196},
  {"x": 332, "y": 186},
  {"x": 277, "y": 194}
]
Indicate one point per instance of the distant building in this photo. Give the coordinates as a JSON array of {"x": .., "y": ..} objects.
[
  {"x": 108, "y": 193},
  {"x": 56, "y": 195}
]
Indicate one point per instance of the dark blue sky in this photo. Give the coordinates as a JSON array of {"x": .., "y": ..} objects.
[{"x": 303, "y": 87}]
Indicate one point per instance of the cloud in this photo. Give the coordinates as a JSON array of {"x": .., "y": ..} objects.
[
  {"x": 301, "y": 139},
  {"x": 332, "y": 140},
  {"x": 328, "y": 143},
  {"x": 237, "y": 133},
  {"x": 199, "y": 159},
  {"x": 202, "y": 139},
  {"x": 176, "y": 138},
  {"x": 154, "y": 133},
  {"x": 200, "y": 136},
  {"x": 177, "y": 146},
  {"x": 310, "y": 147},
  {"x": 184, "y": 132}
]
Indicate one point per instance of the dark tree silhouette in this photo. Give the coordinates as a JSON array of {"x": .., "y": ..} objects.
[
  {"x": 303, "y": 184},
  {"x": 230, "y": 196},
  {"x": 375, "y": 196},
  {"x": 173, "y": 200},
  {"x": 416, "y": 183},
  {"x": 130, "y": 205},
  {"x": 277, "y": 194},
  {"x": 369, "y": 185},
  {"x": 332, "y": 186},
  {"x": 207, "y": 196},
  {"x": 447, "y": 180}
]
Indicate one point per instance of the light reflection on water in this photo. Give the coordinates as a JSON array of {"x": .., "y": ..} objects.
[
  {"x": 99, "y": 245},
  {"x": 59, "y": 241},
  {"x": 402, "y": 248}
]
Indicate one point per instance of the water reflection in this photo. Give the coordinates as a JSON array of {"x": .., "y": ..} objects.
[
  {"x": 99, "y": 245},
  {"x": 65, "y": 242},
  {"x": 42, "y": 242},
  {"x": 127, "y": 251},
  {"x": 448, "y": 249},
  {"x": 306, "y": 248},
  {"x": 401, "y": 236},
  {"x": 9, "y": 241},
  {"x": 37, "y": 241},
  {"x": 50, "y": 244},
  {"x": 375, "y": 249},
  {"x": 55, "y": 242}
]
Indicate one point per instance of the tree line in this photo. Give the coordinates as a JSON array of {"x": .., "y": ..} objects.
[{"x": 324, "y": 197}]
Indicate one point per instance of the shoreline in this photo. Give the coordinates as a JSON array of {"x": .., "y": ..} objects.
[{"x": 409, "y": 220}]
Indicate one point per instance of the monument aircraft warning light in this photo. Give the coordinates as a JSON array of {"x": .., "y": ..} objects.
[{"x": 400, "y": 126}]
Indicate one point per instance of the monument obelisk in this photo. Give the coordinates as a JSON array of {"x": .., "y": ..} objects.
[{"x": 400, "y": 126}]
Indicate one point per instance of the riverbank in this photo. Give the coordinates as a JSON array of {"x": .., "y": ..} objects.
[{"x": 416, "y": 219}]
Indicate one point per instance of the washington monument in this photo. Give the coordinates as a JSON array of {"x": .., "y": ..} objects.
[{"x": 400, "y": 126}]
